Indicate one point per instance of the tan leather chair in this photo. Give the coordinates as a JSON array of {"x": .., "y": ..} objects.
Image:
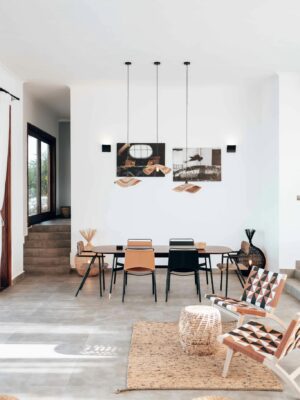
[
  {"x": 139, "y": 243},
  {"x": 139, "y": 261}
]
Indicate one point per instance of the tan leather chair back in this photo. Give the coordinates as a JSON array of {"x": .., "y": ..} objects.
[
  {"x": 139, "y": 259},
  {"x": 139, "y": 243}
]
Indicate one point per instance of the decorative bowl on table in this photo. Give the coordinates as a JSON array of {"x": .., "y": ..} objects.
[{"x": 200, "y": 245}]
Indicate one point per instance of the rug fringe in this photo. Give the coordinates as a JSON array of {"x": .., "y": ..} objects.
[{"x": 118, "y": 391}]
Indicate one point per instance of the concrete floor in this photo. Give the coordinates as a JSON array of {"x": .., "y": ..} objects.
[{"x": 56, "y": 346}]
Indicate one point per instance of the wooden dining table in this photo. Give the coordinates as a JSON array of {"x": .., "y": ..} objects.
[{"x": 160, "y": 251}]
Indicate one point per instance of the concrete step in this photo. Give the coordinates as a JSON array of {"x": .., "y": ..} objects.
[
  {"x": 40, "y": 244},
  {"x": 47, "y": 260},
  {"x": 49, "y": 235},
  {"x": 47, "y": 270},
  {"x": 292, "y": 287},
  {"x": 297, "y": 274},
  {"x": 50, "y": 228},
  {"x": 47, "y": 252}
]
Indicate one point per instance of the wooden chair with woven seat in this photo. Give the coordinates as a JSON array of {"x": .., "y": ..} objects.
[
  {"x": 231, "y": 262},
  {"x": 139, "y": 261},
  {"x": 259, "y": 299},
  {"x": 266, "y": 346}
]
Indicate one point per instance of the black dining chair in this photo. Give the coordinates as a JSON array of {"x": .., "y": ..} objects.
[
  {"x": 204, "y": 259},
  {"x": 183, "y": 262}
]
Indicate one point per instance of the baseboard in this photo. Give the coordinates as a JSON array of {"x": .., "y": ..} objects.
[{"x": 18, "y": 278}]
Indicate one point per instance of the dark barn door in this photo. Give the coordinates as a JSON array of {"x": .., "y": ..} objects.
[{"x": 5, "y": 265}]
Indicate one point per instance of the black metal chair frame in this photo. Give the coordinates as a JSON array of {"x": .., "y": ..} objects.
[
  {"x": 187, "y": 273},
  {"x": 126, "y": 273},
  {"x": 86, "y": 274},
  {"x": 232, "y": 257}
]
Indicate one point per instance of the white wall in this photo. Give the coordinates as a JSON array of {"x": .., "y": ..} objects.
[
  {"x": 14, "y": 85},
  {"x": 238, "y": 114},
  {"x": 289, "y": 169},
  {"x": 39, "y": 115}
]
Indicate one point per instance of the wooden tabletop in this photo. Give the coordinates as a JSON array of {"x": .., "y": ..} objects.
[{"x": 161, "y": 250}]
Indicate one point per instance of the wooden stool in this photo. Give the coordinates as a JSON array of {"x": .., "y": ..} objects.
[{"x": 199, "y": 327}]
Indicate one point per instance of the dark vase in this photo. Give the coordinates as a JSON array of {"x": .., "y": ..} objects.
[{"x": 256, "y": 255}]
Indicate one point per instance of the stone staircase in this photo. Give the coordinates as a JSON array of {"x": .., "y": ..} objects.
[
  {"x": 292, "y": 285},
  {"x": 47, "y": 249}
]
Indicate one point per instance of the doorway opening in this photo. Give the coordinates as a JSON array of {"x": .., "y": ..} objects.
[{"x": 41, "y": 175}]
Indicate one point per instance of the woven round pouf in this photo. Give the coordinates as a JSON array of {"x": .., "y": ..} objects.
[{"x": 199, "y": 327}]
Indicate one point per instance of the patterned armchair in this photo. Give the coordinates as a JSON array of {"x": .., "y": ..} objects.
[
  {"x": 261, "y": 295},
  {"x": 266, "y": 346}
]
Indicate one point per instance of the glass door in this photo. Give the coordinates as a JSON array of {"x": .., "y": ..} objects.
[{"x": 41, "y": 175}]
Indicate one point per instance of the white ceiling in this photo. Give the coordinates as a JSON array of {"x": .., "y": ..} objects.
[{"x": 69, "y": 41}]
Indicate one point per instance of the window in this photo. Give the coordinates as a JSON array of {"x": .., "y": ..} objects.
[
  {"x": 140, "y": 151},
  {"x": 41, "y": 175}
]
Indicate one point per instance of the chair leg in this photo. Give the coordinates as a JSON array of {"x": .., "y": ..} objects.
[
  {"x": 100, "y": 277},
  {"x": 124, "y": 285},
  {"x": 167, "y": 284},
  {"x": 281, "y": 373},
  {"x": 240, "y": 320},
  {"x": 221, "y": 281},
  {"x": 206, "y": 271},
  {"x": 152, "y": 282},
  {"x": 198, "y": 284},
  {"x": 211, "y": 276},
  {"x": 154, "y": 285},
  {"x": 229, "y": 355}
]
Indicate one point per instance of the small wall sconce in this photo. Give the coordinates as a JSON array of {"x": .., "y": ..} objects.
[
  {"x": 106, "y": 148},
  {"x": 231, "y": 148}
]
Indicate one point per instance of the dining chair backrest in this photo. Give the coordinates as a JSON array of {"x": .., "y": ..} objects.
[
  {"x": 80, "y": 247},
  {"x": 183, "y": 260},
  {"x": 139, "y": 258},
  {"x": 290, "y": 339},
  {"x": 181, "y": 242},
  {"x": 263, "y": 288},
  {"x": 139, "y": 243},
  {"x": 245, "y": 247}
]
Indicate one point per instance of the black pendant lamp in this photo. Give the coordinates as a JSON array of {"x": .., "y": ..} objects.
[
  {"x": 157, "y": 167},
  {"x": 127, "y": 181},
  {"x": 187, "y": 187}
]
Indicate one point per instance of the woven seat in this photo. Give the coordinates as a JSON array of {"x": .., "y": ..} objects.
[{"x": 236, "y": 306}]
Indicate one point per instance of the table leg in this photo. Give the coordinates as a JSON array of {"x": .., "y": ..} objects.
[
  {"x": 86, "y": 274},
  {"x": 211, "y": 275},
  {"x": 112, "y": 276},
  {"x": 100, "y": 273},
  {"x": 226, "y": 289}
]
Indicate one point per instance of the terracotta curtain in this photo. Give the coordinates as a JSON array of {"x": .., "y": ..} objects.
[{"x": 5, "y": 101}]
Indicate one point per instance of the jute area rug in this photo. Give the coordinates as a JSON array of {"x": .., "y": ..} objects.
[{"x": 156, "y": 361}]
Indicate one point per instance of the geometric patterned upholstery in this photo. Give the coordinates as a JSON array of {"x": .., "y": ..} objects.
[
  {"x": 263, "y": 288},
  {"x": 235, "y": 306},
  {"x": 291, "y": 338},
  {"x": 254, "y": 340}
]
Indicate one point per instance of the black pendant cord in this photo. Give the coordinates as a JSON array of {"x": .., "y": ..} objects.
[
  {"x": 157, "y": 63},
  {"x": 128, "y": 98},
  {"x": 10, "y": 94},
  {"x": 186, "y": 63}
]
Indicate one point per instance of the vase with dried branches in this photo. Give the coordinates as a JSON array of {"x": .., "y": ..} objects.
[{"x": 88, "y": 235}]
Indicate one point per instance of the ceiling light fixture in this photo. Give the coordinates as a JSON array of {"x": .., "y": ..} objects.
[
  {"x": 156, "y": 167},
  {"x": 127, "y": 181},
  {"x": 187, "y": 187}
]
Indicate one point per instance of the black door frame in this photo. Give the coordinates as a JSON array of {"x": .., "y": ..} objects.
[{"x": 51, "y": 140}]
